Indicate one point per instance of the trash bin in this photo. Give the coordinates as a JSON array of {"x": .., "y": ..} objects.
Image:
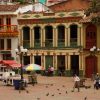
[{"x": 17, "y": 84}]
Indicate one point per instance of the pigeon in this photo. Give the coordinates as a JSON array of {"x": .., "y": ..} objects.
[
  {"x": 63, "y": 86},
  {"x": 59, "y": 93},
  {"x": 19, "y": 91},
  {"x": 66, "y": 92},
  {"x": 58, "y": 89},
  {"x": 38, "y": 98},
  {"x": 51, "y": 84},
  {"x": 52, "y": 94},
  {"x": 85, "y": 98},
  {"x": 72, "y": 91},
  {"x": 27, "y": 91},
  {"x": 46, "y": 86},
  {"x": 47, "y": 94}
]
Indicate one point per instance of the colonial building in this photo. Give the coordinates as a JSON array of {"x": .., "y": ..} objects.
[
  {"x": 57, "y": 37},
  {"x": 9, "y": 28},
  {"x": 91, "y": 50},
  {"x": 8, "y": 31}
]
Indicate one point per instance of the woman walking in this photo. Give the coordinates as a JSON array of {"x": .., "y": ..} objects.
[{"x": 76, "y": 83}]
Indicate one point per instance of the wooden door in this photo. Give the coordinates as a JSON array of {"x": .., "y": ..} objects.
[
  {"x": 48, "y": 61},
  {"x": 91, "y": 66}
]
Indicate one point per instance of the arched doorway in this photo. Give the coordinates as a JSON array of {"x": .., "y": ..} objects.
[
  {"x": 90, "y": 66},
  {"x": 91, "y": 34},
  {"x": 74, "y": 64},
  {"x": 61, "y": 64}
]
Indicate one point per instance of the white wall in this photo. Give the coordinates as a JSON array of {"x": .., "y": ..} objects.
[{"x": 14, "y": 46}]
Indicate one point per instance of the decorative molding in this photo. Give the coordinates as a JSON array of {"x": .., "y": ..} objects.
[
  {"x": 25, "y": 16},
  {"x": 61, "y": 15},
  {"x": 37, "y": 16},
  {"x": 74, "y": 14}
]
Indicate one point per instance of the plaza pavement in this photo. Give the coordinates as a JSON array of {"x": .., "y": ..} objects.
[{"x": 50, "y": 88}]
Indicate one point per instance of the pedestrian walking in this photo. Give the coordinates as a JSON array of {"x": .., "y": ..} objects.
[
  {"x": 76, "y": 83},
  {"x": 96, "y": 81}
]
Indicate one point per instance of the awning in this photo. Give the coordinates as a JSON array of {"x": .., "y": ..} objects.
[
  {"x": 15, "y": 65},
  {"x": 11, "y": 63},
  {"x": 8, "y": 62}
]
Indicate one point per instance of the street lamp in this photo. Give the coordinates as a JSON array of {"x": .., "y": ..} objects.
[
  {"x": 93, "y": 51},
  {"x": 21, "y": 52}
]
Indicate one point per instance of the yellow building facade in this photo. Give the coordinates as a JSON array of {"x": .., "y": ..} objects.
[{"x": 61, "y": 40}]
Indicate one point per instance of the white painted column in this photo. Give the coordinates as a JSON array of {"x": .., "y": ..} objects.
[
  {"x": 31, "y": 37},
  {"x": 42, "y": 60},
  {"x": 68, "y": 36},
  {"x": 81, "y": 35},
  {"x": 43, "y": 37},
  {"x": 69, "y": 62},
  {"x": 55, "y": 61},
  {"x": 81, "y": 61},
  {"x": 21, "y": 37},
  {"x": 66, "y": 62},
  {"x": 78, "y": 37},
  {"x": 55, "y": 37},
  {"x": 33, "y": 59}
]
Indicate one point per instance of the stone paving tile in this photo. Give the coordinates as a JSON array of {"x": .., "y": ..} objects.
[{"x": 50, "y": 88}]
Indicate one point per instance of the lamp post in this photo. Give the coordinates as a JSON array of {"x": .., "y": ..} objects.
[
  {"x": 21, "y": 52},
  {"x": 93, "y": 51}
]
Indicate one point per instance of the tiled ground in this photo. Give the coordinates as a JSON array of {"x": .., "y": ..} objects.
[{"x": 50, "y": 88}]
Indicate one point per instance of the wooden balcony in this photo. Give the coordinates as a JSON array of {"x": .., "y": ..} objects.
[{"x": 8, "y": 30}]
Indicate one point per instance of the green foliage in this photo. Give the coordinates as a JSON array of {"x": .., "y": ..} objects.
[
  {"x": 94, "y": 8},
  {"x": 96, "y": 20},
  {"x": 21, "y": 1}
]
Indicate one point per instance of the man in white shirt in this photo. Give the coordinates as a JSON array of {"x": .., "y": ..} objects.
[{"x": 76, "y": 83}]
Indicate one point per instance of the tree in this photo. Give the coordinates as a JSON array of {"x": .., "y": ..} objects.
[
  {"x": 95, "y": 10},
  {"x": 21, "y": 1}
]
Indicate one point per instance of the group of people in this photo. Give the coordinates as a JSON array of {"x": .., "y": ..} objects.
[
  {"x": 50, "y": 71},
  {"x": 77, "y": 82}
]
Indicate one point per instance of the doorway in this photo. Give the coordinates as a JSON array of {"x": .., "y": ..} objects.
[
  {"x": 75, "y": 64},
  {"x": 26, "y": 60},
  {"x": 61, "y": 64},
  {"x": 90, "y": 66},
  {"x": 37, "y": 60}
]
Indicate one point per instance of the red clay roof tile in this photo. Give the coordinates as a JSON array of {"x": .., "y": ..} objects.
[{"x": 8, "y": 8}]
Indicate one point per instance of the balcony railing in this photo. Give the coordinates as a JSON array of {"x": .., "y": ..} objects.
[
  {"x": 61, "y": 43},
  {"x": 73, "y": 42},
  {"x": 26, "y": 43},
  {"x": 8, "y": 28},
  {"x": 37, "y": 43},
  {"x": 48, "y": 43}
]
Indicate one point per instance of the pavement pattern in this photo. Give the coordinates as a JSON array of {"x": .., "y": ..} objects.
[{"x": 50, "y": 88}]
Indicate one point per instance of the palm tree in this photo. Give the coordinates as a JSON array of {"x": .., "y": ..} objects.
[{"x": 95, "y": 10}]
